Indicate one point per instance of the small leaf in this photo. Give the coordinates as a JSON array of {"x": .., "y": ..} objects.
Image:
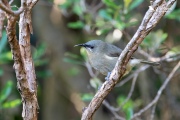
[
  {"x": 154, "y": 40},
  {"x": 175, "y": 50},
  {"x": 110, "y": 3},
  {"x": 127, "y": 3},
  {"x": 6, "y": 91},
  {"x": 73, "y": 71},
  {"x": 87, "y": 97},
  {"x": 66, "y": 5},
  {"x": 3, "y": 41},
  {"x": 174, "y": 15},
  {"x": 5, "y": 57},
  {"x": 77, "y": 9},
  {"x": 104, "y": 14},
  {"x": 120, "y": 25},
  {"x": 1, "y": 72},
  {"x": 83, "y": 53},
  {"x": 72, "y": 61},
  {"x": 134, "y": 4},
  {"x": 95, "y": 82},
  {"x": 11, "y": 104},
  {"x": 129, "y": 113},
  {"x": 76, "y": 25}
]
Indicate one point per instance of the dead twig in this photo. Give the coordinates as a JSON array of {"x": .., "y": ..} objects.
[{"x": 155, "y": 100}]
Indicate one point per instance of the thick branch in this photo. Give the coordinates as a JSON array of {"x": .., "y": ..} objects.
[
  {"x": 23, "y": 63},
  {"x": 152, "y": 17},
  {"x": 2, "y": 18}
]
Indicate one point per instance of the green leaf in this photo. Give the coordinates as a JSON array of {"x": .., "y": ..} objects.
[
  {"x": 175, "y": 50},
  {"x": 110, "y": 3},
  {"x": 127, "y": 107},
  {"x": 11, "y": 104},
  {"x": 5, "y": 92},
  {"x": 76, "y": 25},
  {"x": 74, "y": 56},
  {"x": 154, "y": 40},
  {"x": 87, "y": 97},
  {"x": 44, "y": 73},
  {"x": 127, "y": 3},
  {"x": 104, "y": 14},
  {"x": 120, "y": 25},
  {"x": 3, "y": 41},
  {"x": 39, "y": 52},
  {"x": 78, "y": 9},
  {"x": 95, "y": 82},
  {"x": 83, "y": 53},
  {"x": 129, "y": 113},
  {"x": 66, "y": 5},
  {"x": 5, "y": 57},
  {"x": 40, "y": 62},
  {"x": 174, "y": 15},
  {"x": 134, "y": 4},
  {"x": 1, "y": 72},
  {"x": 73, "y": 71}
]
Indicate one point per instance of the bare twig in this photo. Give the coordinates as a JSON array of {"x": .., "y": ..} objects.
[
  {"x": 112, "y": 110},
  {"x": 10, "y": 2},
  {"x": 166, "y": 58},
  {"x": 152, "y": 17},
  {"x": 155, "y": 100},
  {"x": 153, "y": 112},
  {"x": 131, "y": 90},
  {"x": 132, "y": 75},
  {"x": 6, "y": 8},
  {"x": 89, "y": 68}
]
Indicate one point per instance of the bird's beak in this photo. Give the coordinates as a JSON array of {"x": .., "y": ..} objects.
[{"x": 83, "y": 45}]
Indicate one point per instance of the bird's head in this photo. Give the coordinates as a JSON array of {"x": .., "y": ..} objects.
[{"x": 93, "y": 46}]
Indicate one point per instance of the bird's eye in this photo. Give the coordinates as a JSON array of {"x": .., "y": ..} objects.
[{"x": 92, "y": 47}]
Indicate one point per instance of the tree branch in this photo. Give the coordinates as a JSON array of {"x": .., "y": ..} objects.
[
  {"x": 23, "y": 63},
  {"x": 2, "y": 18},
  {"x": 6, "y": 8},
  {"x": 152, "y": 17},
  {"x": 159, "y": 91}
]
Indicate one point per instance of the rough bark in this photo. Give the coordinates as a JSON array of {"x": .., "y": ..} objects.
[{"x": 23, "y": 63}]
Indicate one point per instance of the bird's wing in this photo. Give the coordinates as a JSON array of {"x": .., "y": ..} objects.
[{"x": 113, "y": 51}]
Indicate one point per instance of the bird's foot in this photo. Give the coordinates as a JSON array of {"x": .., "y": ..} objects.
[{"x": 108, "y": 75}]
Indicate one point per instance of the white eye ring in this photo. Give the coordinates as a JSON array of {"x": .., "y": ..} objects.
[{"x": 90, "y": 49}]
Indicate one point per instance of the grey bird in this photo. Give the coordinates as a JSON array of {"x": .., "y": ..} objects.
[{"x": 103, "y": 56}]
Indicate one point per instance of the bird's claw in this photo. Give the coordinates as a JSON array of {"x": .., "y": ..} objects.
[{"x": 108, "y": 75}]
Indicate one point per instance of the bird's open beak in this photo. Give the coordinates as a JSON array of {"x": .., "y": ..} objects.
[{"x": 83, "y": 45}]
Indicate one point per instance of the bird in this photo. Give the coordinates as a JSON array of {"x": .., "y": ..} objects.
[{"x": 103, "y": 57}]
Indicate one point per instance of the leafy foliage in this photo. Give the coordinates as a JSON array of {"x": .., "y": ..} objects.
[{"x": 4, "y": 94}]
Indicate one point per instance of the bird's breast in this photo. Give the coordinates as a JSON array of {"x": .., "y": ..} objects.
[{"x": 103, "y": 63}]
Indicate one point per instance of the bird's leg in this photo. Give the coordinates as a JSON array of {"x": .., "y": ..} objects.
[{"x": 108, "y": 75}]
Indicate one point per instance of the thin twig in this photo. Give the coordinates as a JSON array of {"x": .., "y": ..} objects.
[
  {"x": 166, "y": 58},
  {"x": 131, "y": 90},
  {"x": 105, "y": 103},
  {"x": 153, "y": 112},
  {"x": 10, "y": 2},
  {"x": 155, "y": 100},
  {"x": 132, "y": 75},
  {"x": 89, "y": 68}
]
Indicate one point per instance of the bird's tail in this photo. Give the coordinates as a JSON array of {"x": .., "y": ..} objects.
[{"x": 150, "y": 63}]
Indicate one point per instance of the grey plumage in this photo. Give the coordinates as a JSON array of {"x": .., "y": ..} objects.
[{"x": 103, "y": 56}]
